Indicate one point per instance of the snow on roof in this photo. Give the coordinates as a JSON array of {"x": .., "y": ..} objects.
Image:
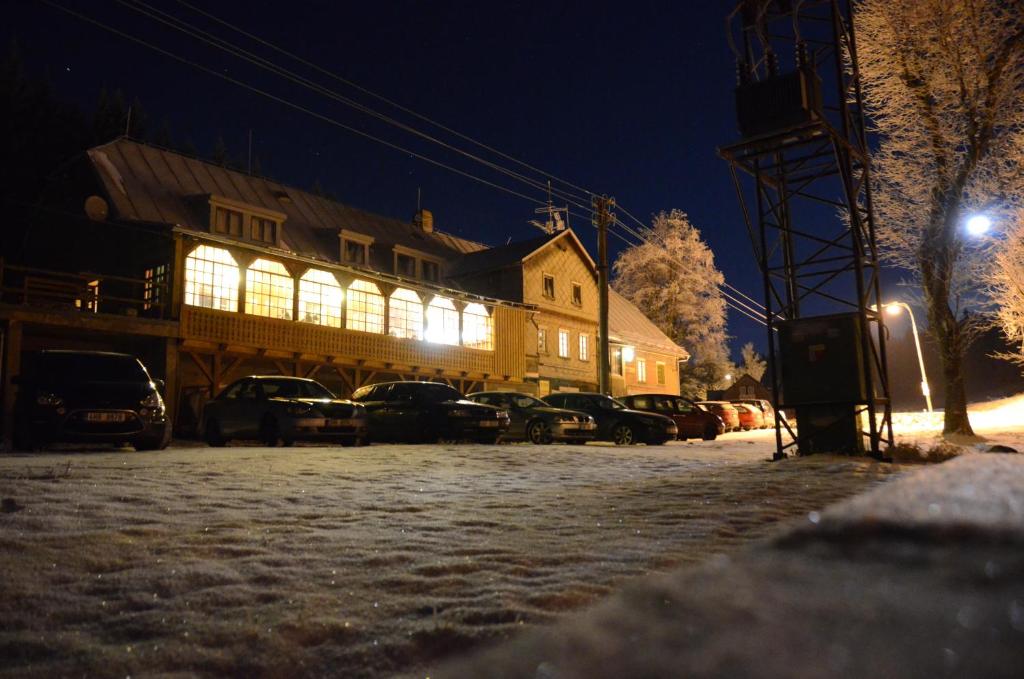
[{"x": 629, "y": 325}]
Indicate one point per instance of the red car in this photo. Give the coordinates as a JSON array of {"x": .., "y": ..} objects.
[
  {"x": 750, "y": 416},
  {"x": 691, "y": 420},
  {"x": 764, "y": 406},
  {"x": 730, "y": 416}
]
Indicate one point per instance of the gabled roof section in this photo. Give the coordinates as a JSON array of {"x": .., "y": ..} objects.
[
  {"x": 629, "y": 325},
  {"x": 516, "y": 253},
  {"x": 149, "y": 184}
]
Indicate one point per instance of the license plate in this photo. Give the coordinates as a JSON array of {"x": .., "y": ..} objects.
[
  {"x": 488, "y": 423},
  {"x": 105, "y": 417},
  {"x": 339, "y": 423}
]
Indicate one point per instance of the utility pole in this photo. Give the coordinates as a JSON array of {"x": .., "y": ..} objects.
[{"x": 602, "y": 207}]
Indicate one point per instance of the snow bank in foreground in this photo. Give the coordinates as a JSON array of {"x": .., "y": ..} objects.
[{"x": 359, "y": 562}]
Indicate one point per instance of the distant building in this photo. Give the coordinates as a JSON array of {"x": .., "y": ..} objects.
[
  {"x": 209, "y": 274},
  {"x": 746, "y": 387}
]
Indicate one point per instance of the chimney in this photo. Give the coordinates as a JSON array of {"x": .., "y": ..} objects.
[{"x": 425, "y": 220}]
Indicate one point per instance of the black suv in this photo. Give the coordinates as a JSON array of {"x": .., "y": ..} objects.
[
  {"x": 428, "y": 412},
  {"x": 616, "y": 422},
  {"x": 86, "y": 397}
]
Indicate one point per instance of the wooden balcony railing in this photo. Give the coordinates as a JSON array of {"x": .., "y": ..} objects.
[{"x": 84, "y": 292}]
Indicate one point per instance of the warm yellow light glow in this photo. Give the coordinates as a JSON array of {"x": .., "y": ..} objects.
[
  {"x": 320, "y": 298},
  {"x": 405, "y": 314},
  {"x": 211, "y": 279},
  {"x": 269, "y": 290},
  {"x": 477, "y": 327},
  {"x": 442, "y": 321},
  {"x": 641, "y": 370},
  {"x": 628, "y": 353},
  {"x": 893, "y": 309},
  {"x": 365, "y": 309}
]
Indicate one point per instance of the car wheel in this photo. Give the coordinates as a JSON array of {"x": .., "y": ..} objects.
[
  {"x": 268, "y": 432},
  {"x": 213, "y": 435},
  {"x": 623, "y": 435},
  {"x": 710, "y": 433},
  {"x": 539, "y": 433}
]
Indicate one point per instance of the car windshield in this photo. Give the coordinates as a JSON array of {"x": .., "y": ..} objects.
[
  {"x": 436, "y": 393},
  {"x": 71, "y": 367},
  {"x": 294, "y": 389},
  {"x": 609, "y": 403},
  {"x": 524, "y": 401}
]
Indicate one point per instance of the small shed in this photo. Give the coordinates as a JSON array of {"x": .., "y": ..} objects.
[{"x": 746, "y": 387}]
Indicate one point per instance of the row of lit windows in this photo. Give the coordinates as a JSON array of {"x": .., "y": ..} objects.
[
  {"x": 583, "y": 346},
  {"x": 212, "y": 279},
  {"x": 641, "y": 371}
]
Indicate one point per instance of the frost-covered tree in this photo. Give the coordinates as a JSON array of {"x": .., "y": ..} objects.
[
  {"x": 673, "y": 278},
  {"x": 753, "y": 364},
  {"x": 943, "y": 83},
  {"x": 1007, "y": 289}
]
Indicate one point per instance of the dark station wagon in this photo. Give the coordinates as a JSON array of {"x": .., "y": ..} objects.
[
  {"x": 426, "y": 412},
  {"x": 535, "y": 421},
  {"x": 615, "y": 421}
]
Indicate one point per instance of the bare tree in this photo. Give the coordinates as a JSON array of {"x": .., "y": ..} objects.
[
  {"x": 943, "y": 83},
  {"x": 674, "y": 278}
]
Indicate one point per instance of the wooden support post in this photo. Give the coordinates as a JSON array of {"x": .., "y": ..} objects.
[{"x": 12, "y": 367}]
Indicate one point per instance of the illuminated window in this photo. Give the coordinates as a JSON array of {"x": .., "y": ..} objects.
[
  {"x": 563, "y": 343},
  {"x": 405, "y": 314},
  {"x": 577, "y": 294},
  {"x": 641, "y": 370},
  {"x": 549, "y": 286},
  {"x": 442, "y": 321},
  {"x": 661, "y": 373},
  {"x": 584, "y": 347},
  {"x": 542, "y": 340},
  {"x": 477, "y": 327},
  {"x": 320, "y": 298},
  {"x": 365, "y": 307},
  {"x": 269, "y": 290},
  {"x": 211, "y": 279}
]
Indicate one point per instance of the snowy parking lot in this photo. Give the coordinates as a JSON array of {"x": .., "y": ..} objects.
[{"x": 359, "y": 562}]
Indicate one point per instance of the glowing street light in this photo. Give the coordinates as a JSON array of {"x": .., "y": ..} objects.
[
  {"x": 978, "y": 225},
  {"x": 894, "y": 309}
]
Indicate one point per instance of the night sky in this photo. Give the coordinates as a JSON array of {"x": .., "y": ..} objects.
[{"x": 625, "y": 99}]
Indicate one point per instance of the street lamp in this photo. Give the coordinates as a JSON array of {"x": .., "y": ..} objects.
[
  {"x": 978, "y": 225},
  {"x": 894, "y": 309}
]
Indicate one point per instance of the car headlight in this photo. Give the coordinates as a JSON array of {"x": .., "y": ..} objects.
[
  {"x": 503, "y": 415},
  {"x": 153, "y": 400},
  {"x": 51, "y": 400}
]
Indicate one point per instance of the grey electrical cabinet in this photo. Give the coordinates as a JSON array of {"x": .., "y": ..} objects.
[{"x": 822, "y": 360}]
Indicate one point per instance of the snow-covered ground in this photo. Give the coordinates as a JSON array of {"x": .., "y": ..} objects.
[
  {"x": 995, "y": 422},
  {"x": 359, "y": 562}
]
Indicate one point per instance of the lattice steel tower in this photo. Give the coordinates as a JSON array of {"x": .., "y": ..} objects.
[{"x": 804, "y": 187}]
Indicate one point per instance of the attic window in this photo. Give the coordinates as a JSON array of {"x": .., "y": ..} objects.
[
  {"x": 228, "y": 222},
  {"x": 431, "y": 271},
  {"x": 577, "y": 294},
  {"x": 549, "y": 286},
  {"x": 239, "y": 220},
  {"x": 354, "y": 253},
  {"x": 263, "y": 230}
]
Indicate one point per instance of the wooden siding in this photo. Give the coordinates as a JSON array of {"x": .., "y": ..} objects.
[
  {"x": 351, "y": 346},
  {"x": 651, "y": 386}
]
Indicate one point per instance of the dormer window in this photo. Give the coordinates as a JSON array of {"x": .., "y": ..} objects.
[
  {"x": 411, "y": 263},
  {"x": 405, "y": 265},
  {"x": 245, "y": 222},
  {"x": 431, "y": 271},
  {"x": 355, "y": 248}
]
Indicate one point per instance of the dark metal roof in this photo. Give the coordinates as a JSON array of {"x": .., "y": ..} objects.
[{"x": 150, "y": 184}]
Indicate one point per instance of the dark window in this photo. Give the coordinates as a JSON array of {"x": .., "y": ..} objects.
[
  {"x": 250, "y": 390},
  {"x": 641, "y": 402},
  {"x": 227, "y": 222},
  {"x": 683, "y": 406},
  {"x": 577, "y": 294},
  {"x": 263, "y": 230},
  {"x": 434, "y": 392},
  {"x": 430, "y": 271},
  {"x": 405, "y": 266},
  {"x": 285, "y": 388},
  {"x": 233, "y": 391},
  {"x": 153, "y": 290},
  {"x": 549, "y": 286},
  {"x": 354, "y": 253}
]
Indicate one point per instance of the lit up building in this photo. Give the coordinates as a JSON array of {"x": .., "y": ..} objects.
[{"x": 210, "y": 274}]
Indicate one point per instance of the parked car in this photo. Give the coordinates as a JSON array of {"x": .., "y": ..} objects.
[
  {"x": 272, "y": 408},
  {"x": 730, "y": 416},
  {"x": 428, "y": 411},
  {"x": 691, "y": 420},
  {"x": 615, "y": 421},
  {"x": 535, "y": 421},
  {"x": 764, "y": 406},
  {"x": 750, "y": 417},
  {"x": 88, "y": 397}
]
